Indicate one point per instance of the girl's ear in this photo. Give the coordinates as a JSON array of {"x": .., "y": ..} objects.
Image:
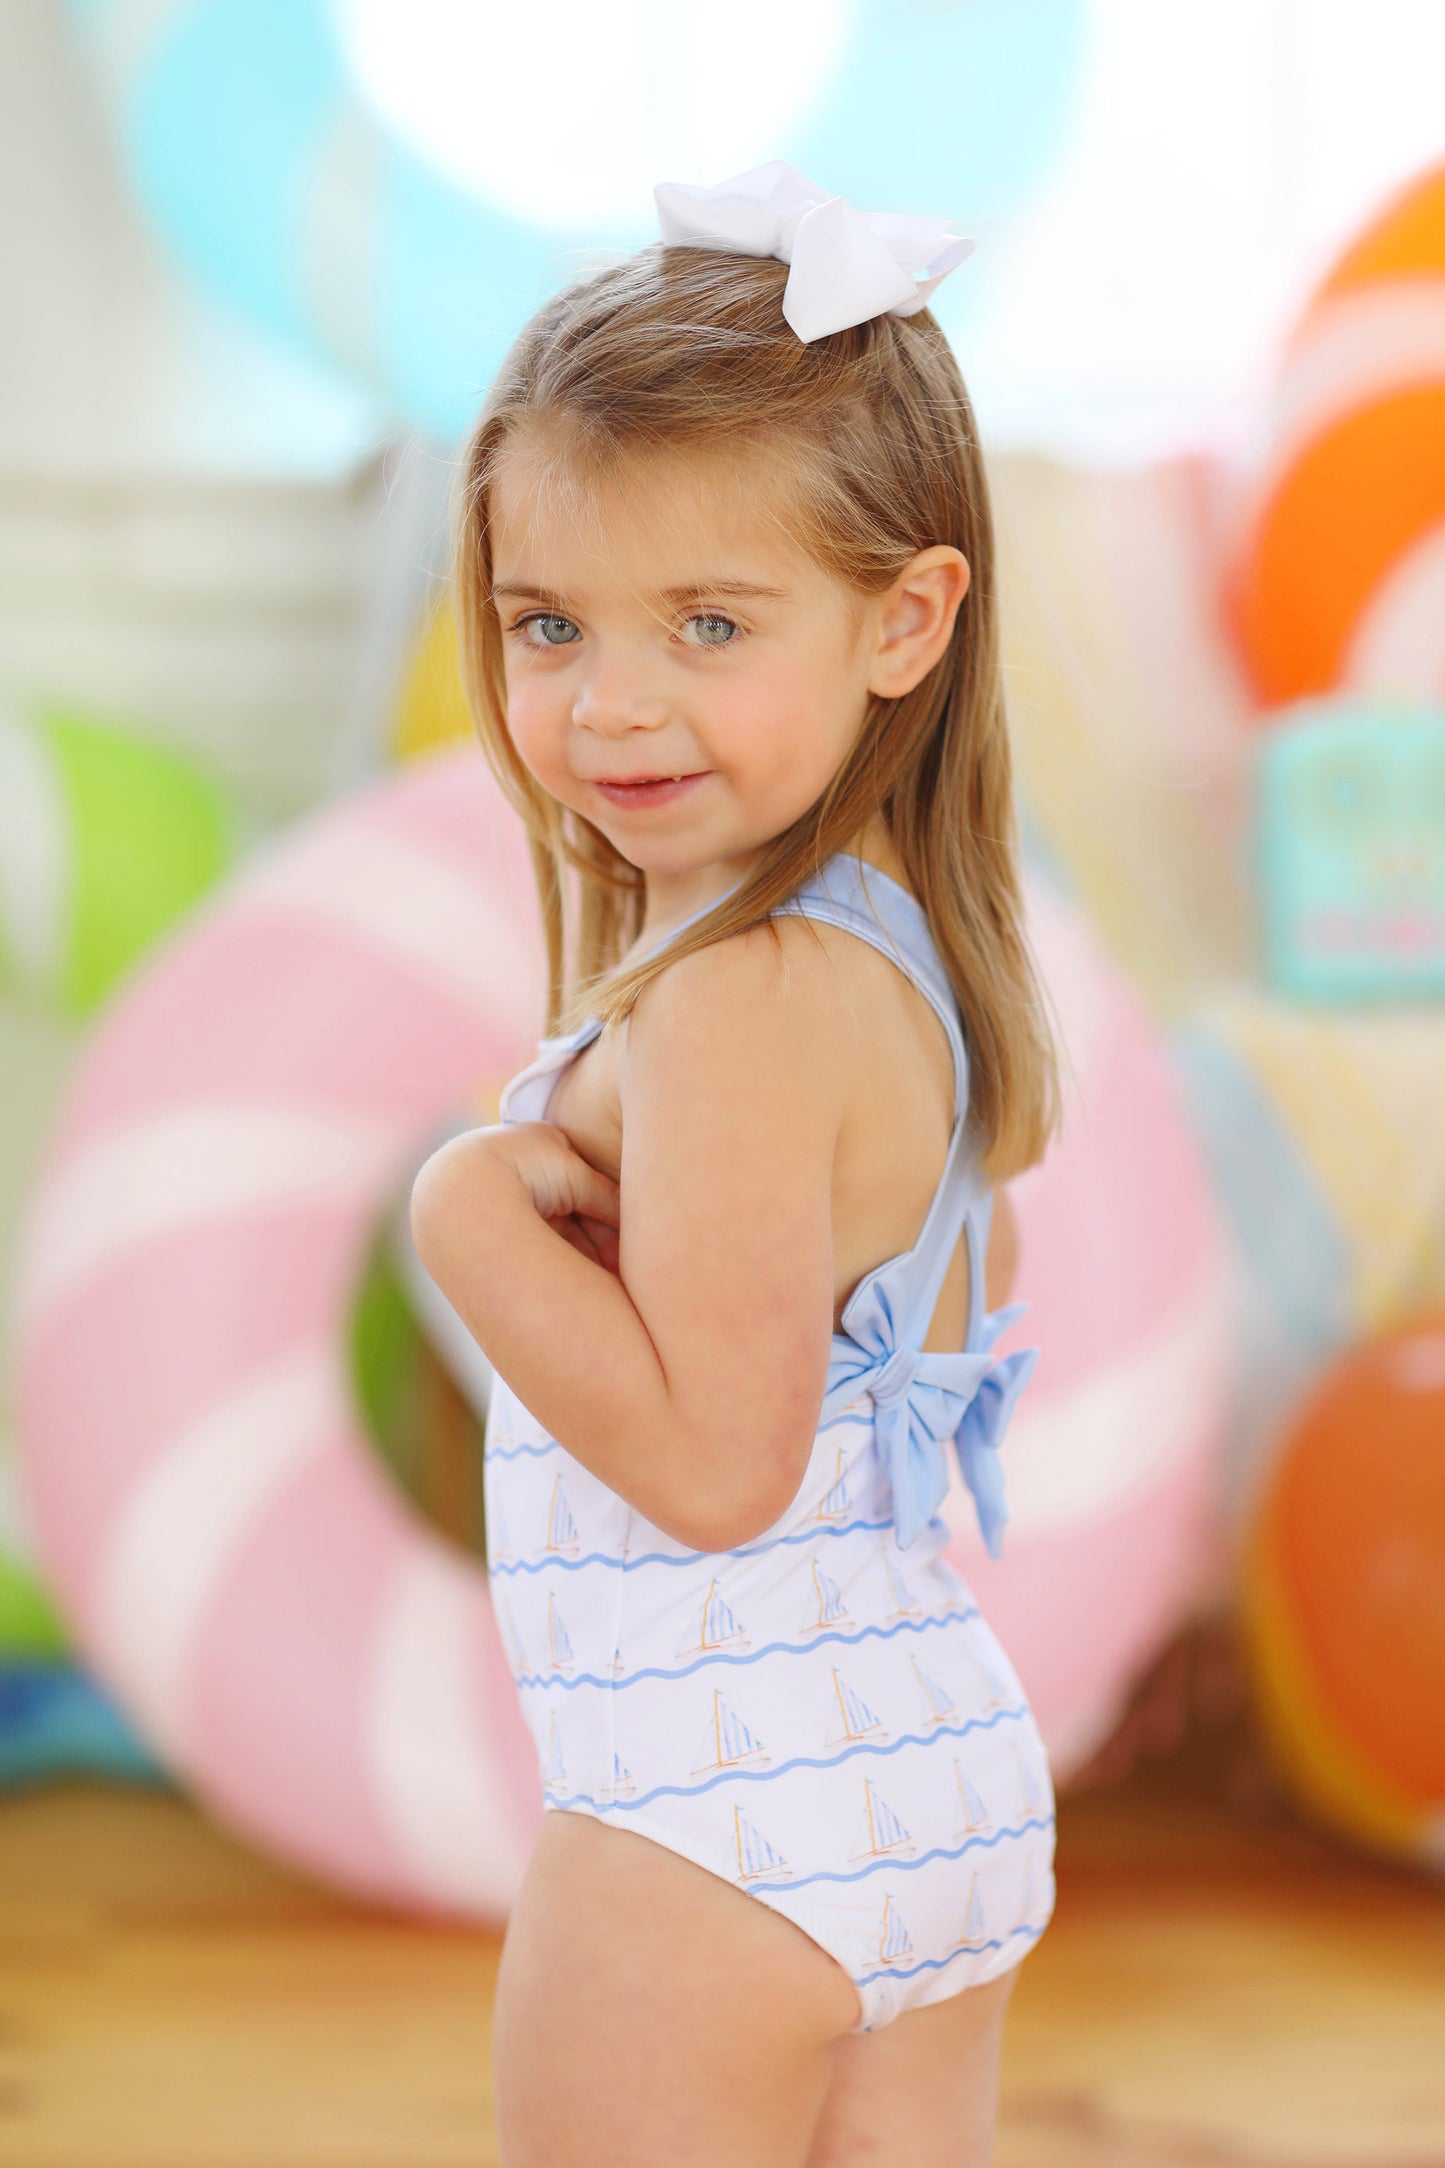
[{"x": 915, "y": 619}]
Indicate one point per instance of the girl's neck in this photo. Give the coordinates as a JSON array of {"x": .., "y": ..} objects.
[{"x": 673, "y": 898}]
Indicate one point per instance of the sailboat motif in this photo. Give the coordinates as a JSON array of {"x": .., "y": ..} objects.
[
  {"x": 905, "y": 1603},
  {"x": 559, "y": 1643},
  {"x": 859, "y": 1722},
  {"x": 624, "y": 1783},
  {"x": 556, "y": 1769},
  {"x": 720, "y": 1628},
  {"x": 880, "y": 1828},
  {"x": 940, "y": 1701},
  {"x": 997, "y": 1697},
  {"x": 727, "y": 1742},
  {"x": 832, "y": 1611},
  {"x": 755, "y": 1855},
  {"x": 894, "y": 1941},
  {"x": 561, "y": 1528},
  {"x": 975, "y": 1813},
  {"x": 1029, "y": 1802},
  {"x": 502, "y": 1552},
  {"x": 835, "y": 1506},
  {"x": 975, "y": 1930}
]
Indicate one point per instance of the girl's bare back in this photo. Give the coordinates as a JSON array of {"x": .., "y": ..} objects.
[{"x": 892, "y": 1143}]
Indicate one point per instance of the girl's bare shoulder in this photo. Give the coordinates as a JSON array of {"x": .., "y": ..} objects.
[{"x": 781, "y": 993}]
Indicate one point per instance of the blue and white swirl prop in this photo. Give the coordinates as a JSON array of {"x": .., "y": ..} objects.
[{"x": 248, "y": 143}]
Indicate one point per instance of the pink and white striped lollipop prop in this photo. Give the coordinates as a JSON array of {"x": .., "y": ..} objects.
[
  {"x": 279, "y": 1623},
  {"x": 1114, "y": 1458}
]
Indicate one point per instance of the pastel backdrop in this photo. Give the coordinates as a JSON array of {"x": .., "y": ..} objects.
[
  {"x": 277, "y": 183},
  {"x": 284, "y": 1631}
]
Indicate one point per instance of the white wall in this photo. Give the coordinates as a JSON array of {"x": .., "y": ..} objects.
[{"x": 188, "y": 516}]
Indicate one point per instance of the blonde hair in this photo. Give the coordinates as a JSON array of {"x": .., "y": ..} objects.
[{"x": 871, "y": 436}]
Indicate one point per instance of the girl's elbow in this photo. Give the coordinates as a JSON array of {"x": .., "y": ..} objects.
[
  {"x": 743, "y": 1510},
  {"x": 729, "y": 1526},
  {"x": 427, "y": 1208},
  {"x": 436, "y": 1206},
  {"x": 443, "y": 1210}
]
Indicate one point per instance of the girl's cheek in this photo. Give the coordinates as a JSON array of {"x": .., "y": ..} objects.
[{"x": 536, "y": 741}]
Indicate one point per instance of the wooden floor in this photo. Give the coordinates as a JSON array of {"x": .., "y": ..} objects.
[{"x": 1217, "y": 1990}]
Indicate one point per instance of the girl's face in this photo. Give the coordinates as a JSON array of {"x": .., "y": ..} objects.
[{"x": 680, "y": 636}]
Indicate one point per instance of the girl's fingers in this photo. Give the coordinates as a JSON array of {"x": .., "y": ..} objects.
[
  {"x": 599, "y": 1196},
  {"x": 559, "y": 1179},
  {"x": 603, "y": 1236},
  {"x": 593, "y": 1239},
  {"x": 572, "y": 1230}
]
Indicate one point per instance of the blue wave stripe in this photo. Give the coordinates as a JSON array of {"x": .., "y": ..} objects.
[
  {"x": 801, "y": 1761},
  {"x": 719, "y": 1656},
  {"x": 941, "y": 1851},
  {"x": 935, "y": 1964},
  {"x": 550, "y": 1445},
  {"x": 847, "y": 1414},
  {"x": 688, "y": 1558}
]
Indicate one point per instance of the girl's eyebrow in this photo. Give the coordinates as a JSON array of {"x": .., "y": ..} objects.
[{"x": 692, "y": 592}]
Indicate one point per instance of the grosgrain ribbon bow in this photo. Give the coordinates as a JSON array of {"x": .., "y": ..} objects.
[
  {"x": 924, "y": 1397},
  {"x": 845, "y": 265}
]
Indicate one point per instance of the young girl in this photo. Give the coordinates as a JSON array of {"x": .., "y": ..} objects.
[{"x": 724, "y": 574}]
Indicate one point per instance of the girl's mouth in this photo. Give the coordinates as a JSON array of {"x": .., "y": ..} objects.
[{"x": 661, "y": 792}]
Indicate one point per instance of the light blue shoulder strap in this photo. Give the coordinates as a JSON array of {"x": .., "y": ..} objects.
[
  {"x": 870, "y": 903},
  {"x": 589, "y": 1027},
  {"x": 864, "y": 900}
]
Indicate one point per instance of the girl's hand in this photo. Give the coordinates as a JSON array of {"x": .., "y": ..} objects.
[{"x": 576, "y": 1199}]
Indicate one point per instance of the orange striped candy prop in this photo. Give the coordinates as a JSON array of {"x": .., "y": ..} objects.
[{"x": 1337, "y": 575}]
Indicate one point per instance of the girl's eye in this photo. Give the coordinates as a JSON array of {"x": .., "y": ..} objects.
[
  {"x": 714, "y": 618},
  {"x": 523, "y": 625},
  {"x": 712, "y": 621}
]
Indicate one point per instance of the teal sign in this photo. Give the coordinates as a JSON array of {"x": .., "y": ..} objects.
[{"x": 1351, "y": 851}]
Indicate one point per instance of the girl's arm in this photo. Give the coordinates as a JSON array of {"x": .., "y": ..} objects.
[{"x": 690, "y": 1382}]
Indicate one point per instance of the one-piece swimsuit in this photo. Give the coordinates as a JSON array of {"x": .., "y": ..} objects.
[{"x": 821, "y": 1716}]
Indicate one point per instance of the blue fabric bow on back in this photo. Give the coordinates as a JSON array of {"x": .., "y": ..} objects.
[{"x": 924, "y": 1397}]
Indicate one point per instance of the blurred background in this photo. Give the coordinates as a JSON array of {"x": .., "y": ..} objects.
[{"x": 266, "y": 930}]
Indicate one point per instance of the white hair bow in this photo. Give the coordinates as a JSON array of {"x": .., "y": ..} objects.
[{"x": 845, "y": 265}]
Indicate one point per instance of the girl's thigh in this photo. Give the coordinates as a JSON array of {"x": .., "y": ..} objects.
[
  {"x": 923, "y": 2089},
  {"x": 648, "y": 2013}
]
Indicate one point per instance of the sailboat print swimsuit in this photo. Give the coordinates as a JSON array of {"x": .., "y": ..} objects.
[{"x": 820, "y": 1716}]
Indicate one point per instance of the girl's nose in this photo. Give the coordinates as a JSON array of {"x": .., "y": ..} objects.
[{"x": 617, "y": 693}]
